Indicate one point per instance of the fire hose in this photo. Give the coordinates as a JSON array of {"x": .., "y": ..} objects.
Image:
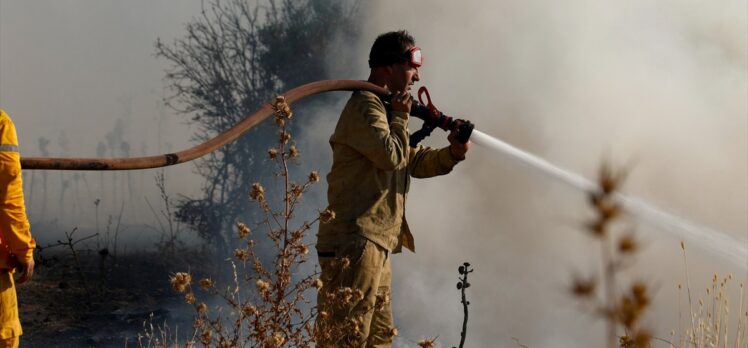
[
  {"x": 719, "y": 243},
  {"x": 432, "y": 117}
]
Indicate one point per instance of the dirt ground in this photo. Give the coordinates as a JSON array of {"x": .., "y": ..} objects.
[{"x": 101, "y": 300}]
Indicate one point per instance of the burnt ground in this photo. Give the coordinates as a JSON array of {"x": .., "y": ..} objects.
[{"x": 103, "y": 300}]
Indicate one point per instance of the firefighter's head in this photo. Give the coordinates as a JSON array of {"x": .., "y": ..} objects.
[{"x": 395, "y": 59}]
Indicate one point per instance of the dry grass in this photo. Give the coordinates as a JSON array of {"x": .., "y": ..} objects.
[
  {"x": 709, "y": 318},
  {"x": 265, "y": 305},
  {"x": 267, "y": 302}
]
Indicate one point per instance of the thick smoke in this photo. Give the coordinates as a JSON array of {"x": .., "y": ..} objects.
[
  {"x": 658, "y": 87},
  {"x": 84, "y": 77}
]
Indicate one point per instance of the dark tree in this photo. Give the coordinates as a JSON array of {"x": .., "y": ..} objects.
[{"x": 236, "y": 56}]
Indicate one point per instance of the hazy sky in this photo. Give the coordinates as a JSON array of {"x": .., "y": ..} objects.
[
  {"x": 659, "y": 84},
  {"x": 70, "y": 70}
]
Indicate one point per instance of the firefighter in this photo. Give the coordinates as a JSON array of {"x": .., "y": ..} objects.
[
  {"x": 367, "y": 190},
  {"x": 16, "y": 244}
]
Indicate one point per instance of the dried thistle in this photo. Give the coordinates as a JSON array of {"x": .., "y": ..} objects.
[
  {"x": 190, "y": 298},
  {"x": 345, "y": 263},
  {"x": 206, "y": 284},
  {"x": 302, "y": 249},
  {"x": 427, "y": 343},
  {"x": 206, "y": 337},
  {"x": 584, "y": 287},
  {"x": 326, "y": 216},
  {"x": 285, "y": 137},
  {"x": 180, "y": 281},
  {"x": 241, "y": 254},
  {"x": 281, "y": 108},
  {"x": 314, "y": 176},
  {"x": 273, "y": 153},
  {"x": 618, "y": 310},
  {"x": 297, "y": 190},
  {"x": 293, "y": 152},
  {"x": 598, "y": 228},
  {"x": 249, "y": 310},
  {"x": 608, "y": 180},
  {"x": 280, "y": 121},
  {"x": 627, "y": 244},
  {"x": 258, "y": 192},
  {"x": 275, "y": 341},
  {"x": 242, "y": 230},
  {"x": 262, "y": 285}
]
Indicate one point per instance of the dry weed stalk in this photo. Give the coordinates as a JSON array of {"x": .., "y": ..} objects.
[
  {"x": 342, "y": 311},
  {"x": 709, "y": 322},
  {"x": 169, "y": 227},
  {"x": 617, "y": 249},
  {"x": 265, "y": 305},
  {"x": 462, "y": 285},
  {"x": 70, "y": 243}
]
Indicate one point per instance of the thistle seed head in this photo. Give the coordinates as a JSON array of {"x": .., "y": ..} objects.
[
  {"x": 273, "y": 153},
  {"x": 293, "y": 152},
  {"x": 206, "y": 284},
  {"x": 180, "y": 281},
  {"x": 345, "y": 263},
  {"x": 275, "y": 341},
  {"x": 202, "y": 308},
  {"x": 190, "y": 298},
  {"x": 285, "y": 137},
  {"x": 249, "y": 310},
  {"x": 206, "y": 337},
  {"x": 281, "y": 108},
  {"x": 583, "y": 287},
  {"x": 326, "y": 216},
  {"x": 627, "y": 244},
  {"x": 242, "y": 230},
  {"x": 241, "y": 254},
  {"x": 262, "y": 285},
  {"x": 314, "y": 176},
  {"x": 258, "y": 192},
  {"x": 427, "y": 343}
]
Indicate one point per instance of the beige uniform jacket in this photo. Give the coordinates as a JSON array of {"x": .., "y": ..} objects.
[
  {"x": 370, "y": 175},
  {"x": 15, "y": 235}
]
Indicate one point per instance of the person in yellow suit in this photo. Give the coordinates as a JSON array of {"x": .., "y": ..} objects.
[{"x": 16, "y": 244}]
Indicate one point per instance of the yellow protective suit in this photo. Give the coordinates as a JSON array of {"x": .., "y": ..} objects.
[{"x": 16, "y": 243}]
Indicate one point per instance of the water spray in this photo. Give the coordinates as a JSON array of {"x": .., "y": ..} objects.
[{"x": 714, "y": 241}]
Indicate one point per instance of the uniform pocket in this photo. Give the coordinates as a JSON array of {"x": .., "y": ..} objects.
[{"x": 337, "y": 260}]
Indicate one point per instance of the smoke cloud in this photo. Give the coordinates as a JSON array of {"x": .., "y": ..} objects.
[
  {"x": 83, "y": 77},
  {"x": 657, "y": 87}
]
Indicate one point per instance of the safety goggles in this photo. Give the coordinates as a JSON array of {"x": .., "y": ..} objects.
[
  {"x": 415, "y": 57},
  {"x": 412, "y": 56}
]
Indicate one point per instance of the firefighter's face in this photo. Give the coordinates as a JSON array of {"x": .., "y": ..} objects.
[{"x": 403, "y": 76}]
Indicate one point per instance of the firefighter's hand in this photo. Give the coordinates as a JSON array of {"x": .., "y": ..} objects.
[
  {"x": 27, "y": 270},
  {"x": 456, "y": 148},
  {"x": 401, "y": 101}
]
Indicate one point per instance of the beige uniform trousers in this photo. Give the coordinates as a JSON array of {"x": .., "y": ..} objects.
[
  {"x": 354, "y": 301},
  {"x": 10, "y": 325}
]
